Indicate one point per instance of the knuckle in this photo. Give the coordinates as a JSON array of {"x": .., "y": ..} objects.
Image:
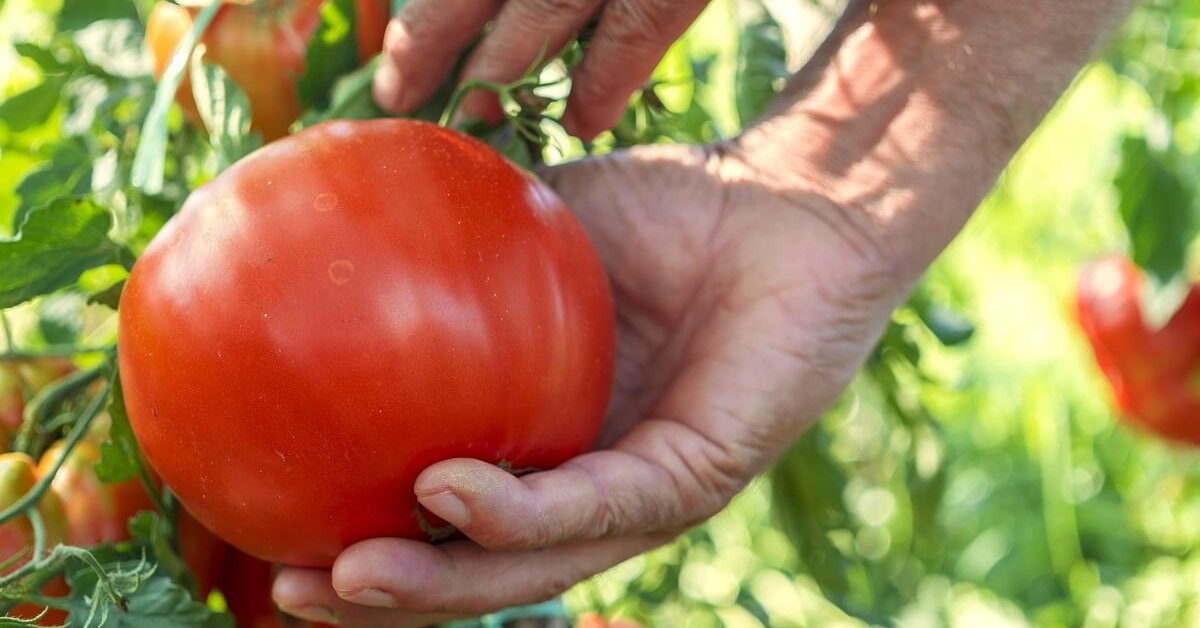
[
  {"x": 558, "y": 11},
  {"x": 556, "y": 584}
]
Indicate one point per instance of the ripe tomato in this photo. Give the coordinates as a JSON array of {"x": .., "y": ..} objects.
[
  {"x": 17, "y": 476},
  {"x": 1153, "y": 372},
  {"x": 202, "y": 551},
  {"x": 261, "y": 45},
  {"x": 16, "y": 375},
  {"x": 342, "y": 309},
  {"x": 246, "y": 585}
]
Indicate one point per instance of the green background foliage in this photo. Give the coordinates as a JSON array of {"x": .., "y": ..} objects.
[{"x": 974, "y": 474}]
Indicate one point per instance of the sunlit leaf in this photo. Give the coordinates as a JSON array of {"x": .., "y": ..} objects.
[
  {"x": 761, "y": 68},
  {"x": 225, "y": 110},
  {"x": 77, "y": 14},
  {"x": 332, "y": 52},
  {"x": 1157, "y": 207},
  {"x": 149, "y": 162},
  {"x": 53, "y": 247},
  {"x": 34, "y": 105}
]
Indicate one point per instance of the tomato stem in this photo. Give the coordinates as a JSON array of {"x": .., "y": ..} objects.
[
  {"x": 50, "y": 397},
  {"x": 31, "y": 499},
  {"x": 39, "y": 533},
  {"x": 52, "y": 351}
]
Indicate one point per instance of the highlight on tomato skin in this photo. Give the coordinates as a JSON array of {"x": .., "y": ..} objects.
[
  {"x": 1153, "y": 372},
  {"x": 342, "y": 309},
  {"x": 261, "y": 45}
]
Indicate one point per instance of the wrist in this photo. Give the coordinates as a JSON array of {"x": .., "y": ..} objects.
[{"x": 909, "y": 113}]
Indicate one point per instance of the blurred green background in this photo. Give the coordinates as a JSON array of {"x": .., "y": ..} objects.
[
  {"x": 987, "y": 483},
  {"x": 975, "y": 474}
]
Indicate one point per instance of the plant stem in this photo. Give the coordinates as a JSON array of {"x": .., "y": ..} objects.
[
  {"x": 39, "y": 533},
  {"x": 50, "y": 397},
  {"x": 56, "y": 351},
  {"x": 34, "y": 496},
  {"x": 457, "y": 96}
]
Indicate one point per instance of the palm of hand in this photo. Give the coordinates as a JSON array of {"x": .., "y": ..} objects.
[{"x": 727, "y": 292}]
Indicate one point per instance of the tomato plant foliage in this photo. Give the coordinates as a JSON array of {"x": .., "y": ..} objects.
[{"x": 875, "y": 509}]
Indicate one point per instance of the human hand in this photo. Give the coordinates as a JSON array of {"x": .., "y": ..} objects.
[
  {"x": 424, "y": 40},
  {"x": 751, "y": 280}
]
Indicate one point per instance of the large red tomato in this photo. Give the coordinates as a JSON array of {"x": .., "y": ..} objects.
[
  {"x": 18, "y": 475},
  {"x": 345, "y": 307},
  {"x": 246, "y": 585},
  {"x": 261, "y": 45}
]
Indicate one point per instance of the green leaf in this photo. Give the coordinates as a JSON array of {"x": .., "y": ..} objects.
[
  {"x": 53, "y": 247},
  {"x": 150, "y": 599},
  {"x": 110, "y": 296},
  {"x": 149, "y": 162},
  {"x": 225, "y": 110},
  {"x": 60, "y": 317},
  {"x": 44, "y": 57},
  {"x": 332, "y": 52},
  {"x": 34, "y": 105},
  {"x": 948, "y": 326},
  {"x": 761, "y": 65},
  {"x": 77, "y": 14},
  {"x": 1156, "y": 206},
  {"x": 352, "y": 99},
  {"x": 67, "y": 173},
  {"x": 119, "y": 454},
  {"x": 148, "y": 526},
  {"x": 807, "y": 487}
]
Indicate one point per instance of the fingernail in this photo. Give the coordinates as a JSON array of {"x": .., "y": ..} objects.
[
  {"x": 389, "y": 86},
  {"x": 371, "y": 597},
  {"x": 448, "y": 506},
  {"x": 318, "y": 614}
]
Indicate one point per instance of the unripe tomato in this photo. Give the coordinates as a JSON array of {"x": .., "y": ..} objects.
[
  {"x": 261, "y": 45},
  {"x": 96, "y": 512},
  {"x": 17, "y": 476},
  {"x": 35, "y": 374},
  {"x": 342, "y": 309}
]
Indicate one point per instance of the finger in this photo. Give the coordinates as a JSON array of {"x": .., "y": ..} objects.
[
  {"x": 309, "y": 594},
  {"x": 420, "y": 46},
  {"x": 631, "y": 39},
  {"x": 672, "y": 478},
  {"x": 461, "y": 577},
  {"x": 523, "y": 30}
]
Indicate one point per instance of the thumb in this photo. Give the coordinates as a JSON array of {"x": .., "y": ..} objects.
[{"x": 600, "y": 494}]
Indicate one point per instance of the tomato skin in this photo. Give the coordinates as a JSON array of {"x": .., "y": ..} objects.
[
  {"x": 18, "y": 475},
  {"x": 1154, "y": 373},
  {"x": 204, "y": 553},
  {"x": 344, "y": 308},
  {"x": 261, "y": 45},
  {"x": 246, "y": 585}
]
